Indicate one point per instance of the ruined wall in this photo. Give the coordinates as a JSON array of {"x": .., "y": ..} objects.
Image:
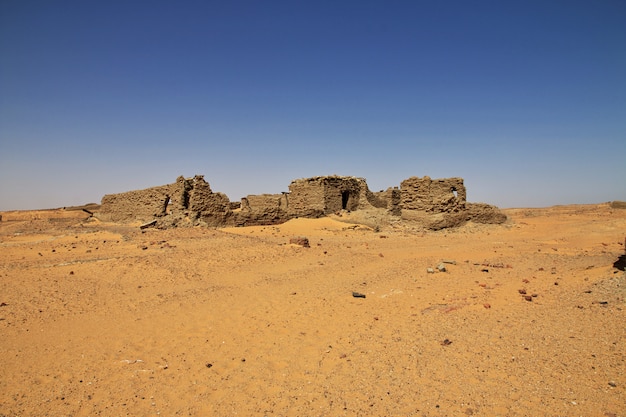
[
  {"x": 205, "y": 206},
  {"x": 341, "y": 193},
  {"x": 435, "y": 196},
  {"x": 192, "y": 202},
  {"x": 263, "y": 209},
  {"x": 142, "y": 205},
  {"x": 186, "y": 198},
  {"x": 319, "y": 196},
  {"x": 390, "y": 199},
  {"x": 306, "y": 198}
]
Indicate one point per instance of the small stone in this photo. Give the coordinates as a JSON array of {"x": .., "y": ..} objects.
[
  {"x": 522, "y": 291},
  {"x": 300, "y": 240},
  {"x": 613, "y": 384},
  {"x": 449, "y": 261},
  {"x": 487, "y": 305},
  {"x": 446, "y": 342},
  {"x": 528, "y": 298},
  {"x": 430, "y": 271},
  {"x": 358, "y": 295},
  {"x": 441, "y": 267}
]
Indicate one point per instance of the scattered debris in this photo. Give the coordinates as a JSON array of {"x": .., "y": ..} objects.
[
  {"x": 131, "y": 361},
  {"x": 300, "y": 240},
  {"x": 149, "y": 224}
]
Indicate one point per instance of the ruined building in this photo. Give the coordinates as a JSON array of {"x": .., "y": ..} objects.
[{"x": 190, "y": 201}]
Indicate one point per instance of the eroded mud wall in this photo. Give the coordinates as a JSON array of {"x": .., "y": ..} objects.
[
  {"x": 263, "y": 209},
  {"x": 192, "y": 202},
  {"x": 306, "y": 198},
  {"x": 435, "y": 196},
  {"x": 142, "y": 205}
]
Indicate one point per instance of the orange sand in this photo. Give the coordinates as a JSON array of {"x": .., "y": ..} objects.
[{"x": 102, "y": 319}]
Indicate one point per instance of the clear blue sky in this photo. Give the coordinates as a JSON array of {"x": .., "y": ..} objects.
[{"x": 526, "y": 100}]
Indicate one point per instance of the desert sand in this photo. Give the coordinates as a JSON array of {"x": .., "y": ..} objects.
[{"x": 528, "y": 318}]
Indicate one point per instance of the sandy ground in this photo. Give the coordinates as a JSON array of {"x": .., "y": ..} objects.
[{"x": 104, "y": 319}]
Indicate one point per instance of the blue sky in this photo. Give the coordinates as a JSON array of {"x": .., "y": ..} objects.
[{"x": 524, "y": 100}]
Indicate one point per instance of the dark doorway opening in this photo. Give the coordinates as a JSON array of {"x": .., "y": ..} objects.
[
  {"x": 165, "y": 204},
  {"x": 345, "y": 196},
  {"x": 456, "y": 194}
]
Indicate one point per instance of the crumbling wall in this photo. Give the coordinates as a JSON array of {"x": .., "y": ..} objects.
[
  {"x": 143, "y": 205},
  {"x": 186, "y": 198},
  {"x": 319, "y": 196},
  {"x": 306, "y": 198},
  {"x": 212, "y": 209},
  {"x": 263, "y": 209},
  {"x": 390, "y": 199},
  {"x": 341, "y": 193},
  {"x": 192, "y": 202},
  {"x": 435, "y": 196}
]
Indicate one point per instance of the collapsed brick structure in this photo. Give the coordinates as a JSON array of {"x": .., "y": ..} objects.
[
  {"x": 190, "y": 201},
  {"x": 436, "y": 196},
  {"x": 320, "y": 196}
]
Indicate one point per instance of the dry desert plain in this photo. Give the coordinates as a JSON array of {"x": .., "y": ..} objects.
[{"x": 528, "y": 318}]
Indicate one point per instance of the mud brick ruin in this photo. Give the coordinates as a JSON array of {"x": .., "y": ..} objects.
[{"x": 190, "y": 202}]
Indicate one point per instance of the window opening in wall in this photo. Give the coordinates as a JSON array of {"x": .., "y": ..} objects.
[
  {"x": 456, "y": 195},
  {"x": 345, "y": 196},
  {"x": 165, "y": 204}
]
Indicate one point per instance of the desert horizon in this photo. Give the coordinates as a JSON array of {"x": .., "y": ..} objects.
[{"x": 422, "y": 220}]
